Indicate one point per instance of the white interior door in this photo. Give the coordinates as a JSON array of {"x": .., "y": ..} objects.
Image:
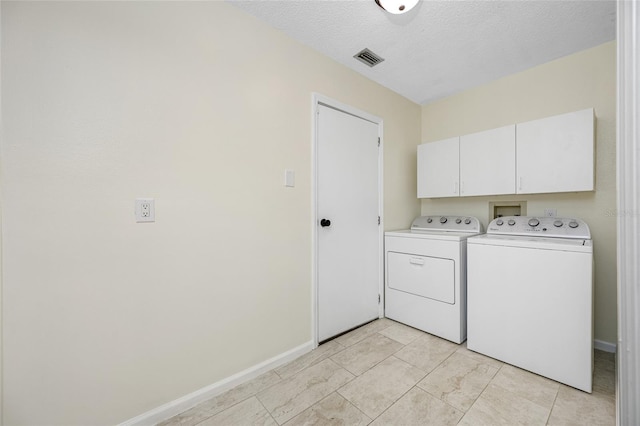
[{"x": 348, "y": 253}]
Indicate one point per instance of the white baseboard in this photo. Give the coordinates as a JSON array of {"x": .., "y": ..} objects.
[
  {"x": 604, "y": 346},
  {"x": 186, "y": 402}
]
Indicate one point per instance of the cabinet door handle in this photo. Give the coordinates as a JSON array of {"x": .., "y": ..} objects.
[
  {"x": 416, "y": 261},
  {"x": 455, "y": 187},
  {"x": 520, "y": 183}
]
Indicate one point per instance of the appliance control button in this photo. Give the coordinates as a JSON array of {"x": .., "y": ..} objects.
[
  {"x": 499, "y": 222},
  {"x": 533, "y": 222},
  {"x": 429, "y": 220},
  {"x": 443, "y": 219},
  {"x": 458, "y": 221},
  {"x": 573, "y": 224},
  {"x": 467, "y": 221},
  {"x": 557, "y": 223},
  {"x": 511, "y": 222}
]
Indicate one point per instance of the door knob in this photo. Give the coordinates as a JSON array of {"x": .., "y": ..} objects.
[{"x": 325, "y": 222}]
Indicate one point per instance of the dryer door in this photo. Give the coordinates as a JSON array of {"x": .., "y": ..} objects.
[{"x": 424, "y": 276}]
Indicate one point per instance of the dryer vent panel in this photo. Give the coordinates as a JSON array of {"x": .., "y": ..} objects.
[{"x": 368, "y": 57}]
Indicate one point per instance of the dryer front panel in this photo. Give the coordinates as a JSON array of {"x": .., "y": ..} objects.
[
  {"x": 425, "y": 285},
  {"x": 424, "y": 276}
]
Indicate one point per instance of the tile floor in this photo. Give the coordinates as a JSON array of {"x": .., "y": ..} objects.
[{"x": 386, "y": 373}]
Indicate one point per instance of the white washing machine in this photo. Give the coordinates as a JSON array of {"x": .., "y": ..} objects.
[
  {"x": 530, "y": 296},
  {"x": 425, "y": 274}
]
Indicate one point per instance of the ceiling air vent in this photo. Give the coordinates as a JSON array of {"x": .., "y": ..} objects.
[{"x": 368, "y": 57}]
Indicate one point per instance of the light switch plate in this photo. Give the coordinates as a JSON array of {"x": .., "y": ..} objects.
[{"x": 289, "y": 178}]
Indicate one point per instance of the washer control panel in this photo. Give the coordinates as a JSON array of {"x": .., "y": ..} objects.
[
  {"x": 447, "y": 223},
  {"x": 553, "y": 227}
]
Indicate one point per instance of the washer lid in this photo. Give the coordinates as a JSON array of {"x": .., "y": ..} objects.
[{"x": 540, "y": 243}]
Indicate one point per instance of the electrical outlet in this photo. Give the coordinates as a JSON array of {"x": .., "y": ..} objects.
[
  {"x": 145, "y": 210},
  {"x": 550, "y": 212}
]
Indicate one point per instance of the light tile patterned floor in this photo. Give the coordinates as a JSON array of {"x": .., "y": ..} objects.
[{"x": 386, "y": 373}]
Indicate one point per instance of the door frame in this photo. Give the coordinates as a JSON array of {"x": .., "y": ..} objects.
[
  {"x": 627, "y": 168},
  {"x": 317, "y": 100}
]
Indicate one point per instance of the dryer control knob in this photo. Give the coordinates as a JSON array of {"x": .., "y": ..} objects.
[
  {"x": 467, "y": 221},
  {"x": 429, "y": 220},
  {"x": 499, "y": 222},
  {"x": 573, "y": 224},
  {"x": 443, "y": 219},
  {"x": 557, "y": 223},
  {"x": 534, "y": 222},
  {"x": 458, "y": 221},
  {"x": 511, "y": 222}
]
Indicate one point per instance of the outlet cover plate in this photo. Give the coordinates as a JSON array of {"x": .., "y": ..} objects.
[{"x": 145, "y": 210}]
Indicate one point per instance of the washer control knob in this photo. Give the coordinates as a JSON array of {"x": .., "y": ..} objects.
[
  {"x": 467, "y": 221},
  {"x": 573, "y": 224},
  {"x": 499, "y": 222},
  {"x": 443, "y": 219},
  {"x": 511, "y": 222},
  {"x": 557, "y": 223},
  {"x": 534, "y": 222},
  {"x": 458, "y": 221},
  {"x": 429, "y": 220}
]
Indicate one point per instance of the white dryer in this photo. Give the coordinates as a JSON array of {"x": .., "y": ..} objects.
[
  {"x": 530, "y": 295},
  {"x": 425, "y": 274}
]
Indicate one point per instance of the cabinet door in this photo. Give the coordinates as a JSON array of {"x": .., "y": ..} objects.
[
  {"x": 488, "y": 162},
  {"x": 556, "y": 154},
  {"x": 438, "y": 168}
]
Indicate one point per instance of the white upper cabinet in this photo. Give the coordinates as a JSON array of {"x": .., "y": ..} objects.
[
  {"x": 556, "y": 154},
  {"x": 438, "y": 168},
  {"x": 488, "y": 162}
]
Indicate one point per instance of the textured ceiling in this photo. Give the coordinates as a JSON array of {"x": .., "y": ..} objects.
[{"x": 442, "y": 47}]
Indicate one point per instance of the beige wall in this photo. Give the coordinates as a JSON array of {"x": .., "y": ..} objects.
[
  {"x": 201, "y": 107},
  {"x": 583, "y": 80}
]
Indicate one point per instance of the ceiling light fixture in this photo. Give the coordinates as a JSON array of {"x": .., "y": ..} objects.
[{"x": 397, "y": 6}]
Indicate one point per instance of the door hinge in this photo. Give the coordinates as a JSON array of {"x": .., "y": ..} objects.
[
  {"x": 378, "y": 299},
  {"x": 378, "y": 220},
  {"x": 378, "y": 141}
]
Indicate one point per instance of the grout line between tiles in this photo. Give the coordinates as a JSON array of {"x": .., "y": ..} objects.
[
  {"x": 447, "y": 402},
  {"x": 437, "y": 397},
  {"x": 350, "y": 403},
  {"x": 485, "y": 388},
  {"x": 268, "y": 412},
  {"x": 203, "y": 420},
  {"x": 552, "y": 406},
  {"x": 371, "y": 368},
  {"x": 394, "y": 402},
  {"x": 466, "y": 354}
]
